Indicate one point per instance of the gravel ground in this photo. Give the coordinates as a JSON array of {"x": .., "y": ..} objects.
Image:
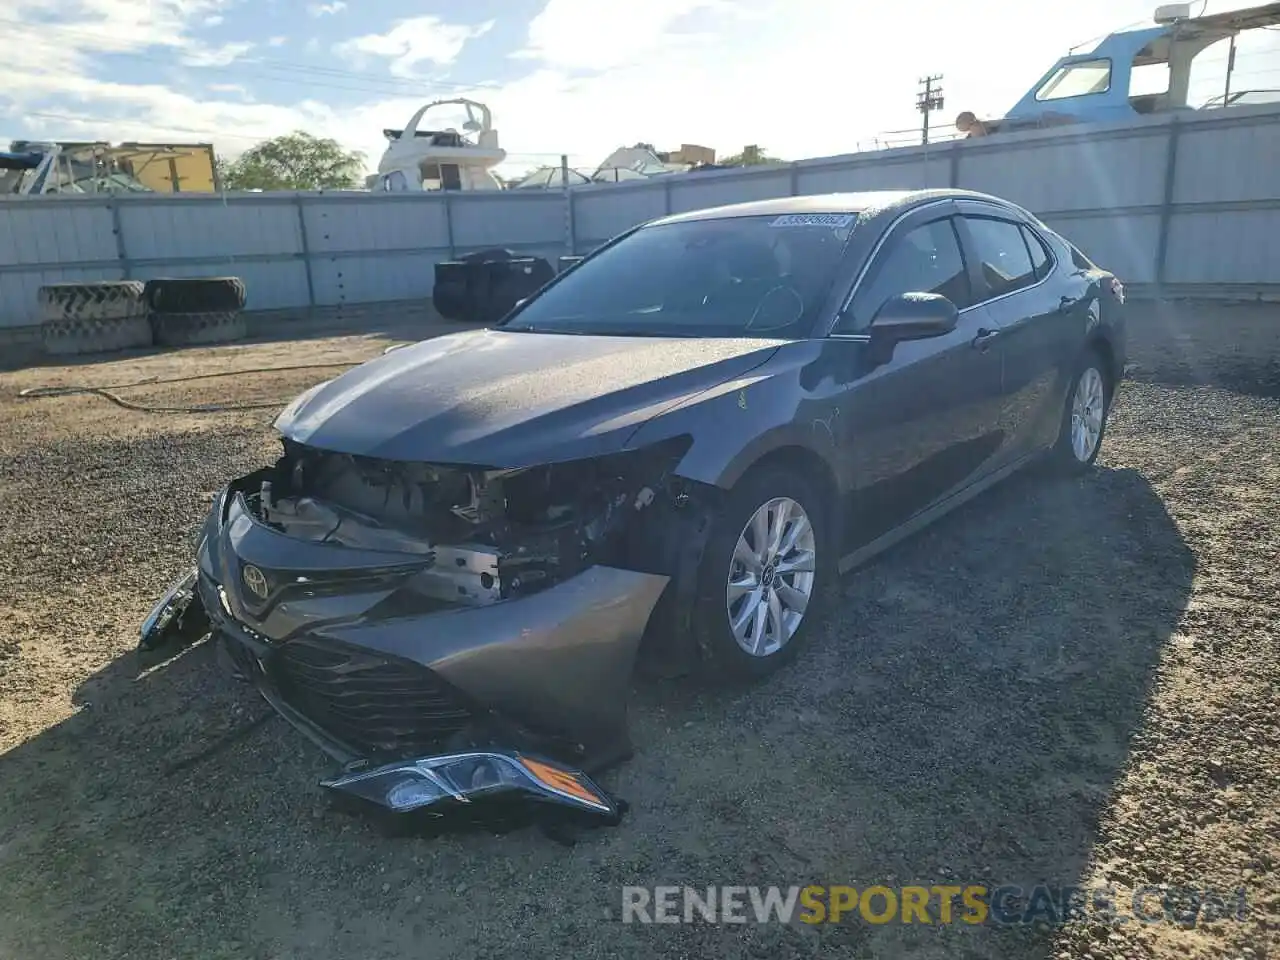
[{"x": 1064, "y": 682}]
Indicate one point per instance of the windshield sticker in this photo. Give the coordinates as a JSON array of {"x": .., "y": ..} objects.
[{"x": 836, "y": 220}]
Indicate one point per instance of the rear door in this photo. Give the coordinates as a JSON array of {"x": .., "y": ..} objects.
[
  {"x": 923, "y": 425},
  {"x": 1032, "y": 300}
]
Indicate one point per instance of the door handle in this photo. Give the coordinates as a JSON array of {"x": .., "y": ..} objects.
[
  {"x": 984, "y": 338},
  {"x": 1066, "y": 303}
]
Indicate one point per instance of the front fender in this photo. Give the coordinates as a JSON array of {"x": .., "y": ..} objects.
[{"x": 737, "y": 423}]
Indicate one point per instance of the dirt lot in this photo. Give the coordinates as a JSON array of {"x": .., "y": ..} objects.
[{"x": 1065, "y": 682}]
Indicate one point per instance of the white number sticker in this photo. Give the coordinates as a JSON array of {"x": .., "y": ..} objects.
[{"x": 835, "y": 220}]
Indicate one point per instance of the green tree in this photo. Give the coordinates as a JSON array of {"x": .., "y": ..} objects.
[
  {"x": 295, "y": 161},
  {"x": 752, "y": 156}
]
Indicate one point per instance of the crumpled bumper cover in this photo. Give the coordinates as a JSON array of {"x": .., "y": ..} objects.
[{"x": 423, "y": 710}]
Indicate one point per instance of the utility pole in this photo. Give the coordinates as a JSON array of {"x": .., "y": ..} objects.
[
  {"x": 929, "y": 98},
  {"x": 1231, "y": 65}
]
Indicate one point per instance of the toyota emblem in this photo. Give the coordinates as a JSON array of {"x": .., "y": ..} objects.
[{"x": 255, "y": 580}]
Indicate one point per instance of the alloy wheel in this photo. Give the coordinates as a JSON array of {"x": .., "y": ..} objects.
[
  {"x": 771, "y": 577},
  {"x": 1087, "y": 408}
]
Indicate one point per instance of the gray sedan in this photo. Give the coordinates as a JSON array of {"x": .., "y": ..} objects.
[{"x": 665, "y": 455}]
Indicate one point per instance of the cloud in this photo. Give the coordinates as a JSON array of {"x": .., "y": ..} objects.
[
  {"x": 56, "y": 36},
  {"x": 411, "y": 42},
  {"x": 230, "y": 88},
  {"x": 277, "y": 41},
  {"x": 228, "y": 53},
  {"x": 573, "y": 35},
  {"x": 326, "y": 9},
  {"x": 821, "y": 84}
]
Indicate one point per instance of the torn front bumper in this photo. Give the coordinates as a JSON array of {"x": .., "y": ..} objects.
[{"x": 393, "y": 685}]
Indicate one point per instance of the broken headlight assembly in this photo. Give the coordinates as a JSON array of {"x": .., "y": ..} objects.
[
  {"x": 464, "y": 777},
  {"x": 178, "y": 616}
]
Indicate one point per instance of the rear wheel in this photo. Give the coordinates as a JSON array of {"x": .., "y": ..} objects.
[
  {"x": 761, "y": 576},
  {"x": 1084, "y": 418}
]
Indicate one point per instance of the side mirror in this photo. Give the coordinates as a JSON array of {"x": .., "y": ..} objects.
[{"x": 913, "y": 316}]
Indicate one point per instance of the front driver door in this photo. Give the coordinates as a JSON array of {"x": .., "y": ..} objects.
[{"x": 924, "y": 424}]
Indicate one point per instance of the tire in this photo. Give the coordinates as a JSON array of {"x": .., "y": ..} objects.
[
  {"x": 1076, "y": 449},
  {"x": 724, "y": 658},
  {"x": 450, "y": 289},
  {"x": 450, "y": 300},
  {"x": 195, "y": 329},
  {"x": 194, "y": 294},
  {"x": 518, "y": 282},
  {"x": 490, "y": 255},
  {"x": 63, "y": 337},
  {"x": 106, "y": 300}
]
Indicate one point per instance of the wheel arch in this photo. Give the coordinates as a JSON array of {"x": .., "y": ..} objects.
[
  {"x": 1099, "y": 343},
  {"x": 806, "y": 462},
  {"x": 670, "y": 646}
]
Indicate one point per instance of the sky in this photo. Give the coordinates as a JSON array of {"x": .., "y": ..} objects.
[{"x": 801, "y": 78}]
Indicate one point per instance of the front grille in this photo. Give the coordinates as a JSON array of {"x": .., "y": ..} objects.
[{"x": 381, "y": 706}]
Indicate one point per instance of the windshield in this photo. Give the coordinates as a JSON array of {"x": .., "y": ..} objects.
[
  {"x": 1077, "y": 80},
  {"x": 736, "y": 277}
]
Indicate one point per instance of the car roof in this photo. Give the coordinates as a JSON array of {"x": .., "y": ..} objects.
[{"x": 865, "y": 203}]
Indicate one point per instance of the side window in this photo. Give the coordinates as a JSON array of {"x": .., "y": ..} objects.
[
  {"x": 1003, "y": 259},
  {"x": 1040, "y": 262},
  {"x": 926, "y": 259}
]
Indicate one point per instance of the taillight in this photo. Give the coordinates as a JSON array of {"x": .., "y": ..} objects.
[{"x": 1117, "y": 290}]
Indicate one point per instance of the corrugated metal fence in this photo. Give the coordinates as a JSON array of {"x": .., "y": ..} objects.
[{"x": 1188, "y": 202}]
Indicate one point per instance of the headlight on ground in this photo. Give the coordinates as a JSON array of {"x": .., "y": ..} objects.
[{"x": 467, "y": 777}]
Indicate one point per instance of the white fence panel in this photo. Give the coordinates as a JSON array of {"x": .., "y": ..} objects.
[{"x": 1107, "y": 188}]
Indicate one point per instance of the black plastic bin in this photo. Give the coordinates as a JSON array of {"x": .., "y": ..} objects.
[{"x": 482, "y": 287}]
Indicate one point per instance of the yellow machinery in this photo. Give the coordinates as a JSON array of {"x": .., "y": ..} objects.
[{"x": 67, "y": 167}]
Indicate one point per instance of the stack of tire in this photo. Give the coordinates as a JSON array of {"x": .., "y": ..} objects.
[
  {"x": 189, "y": 311},
  {"x": 93, "y": 317},
  {"x": 109, "y": 315},
  {"x": 483, "y": 287}
]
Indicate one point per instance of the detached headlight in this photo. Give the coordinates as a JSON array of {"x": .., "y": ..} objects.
[
  {"x": 178, "y": 614},
  {"x": 466, "y": 777}
]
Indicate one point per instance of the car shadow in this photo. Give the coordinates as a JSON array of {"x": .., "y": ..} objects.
[{"x": 961, "y": 717}]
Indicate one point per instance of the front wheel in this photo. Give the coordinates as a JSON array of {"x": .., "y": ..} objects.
[
  {"x": 1084, "y": 419},
  {"x": 761, "y": 576}
]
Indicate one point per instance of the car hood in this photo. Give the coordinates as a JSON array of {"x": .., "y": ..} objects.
[{"x": 502, "y": 399}]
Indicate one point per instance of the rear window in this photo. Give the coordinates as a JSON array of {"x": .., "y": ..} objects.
[
  {"x": 1003, "y": 258},
  {"x": 1040, "y": 261},
  {"x": 1078, "y": 259}
]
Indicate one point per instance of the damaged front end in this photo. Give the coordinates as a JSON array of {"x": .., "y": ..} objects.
[{"x": 447, "y": 633}]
